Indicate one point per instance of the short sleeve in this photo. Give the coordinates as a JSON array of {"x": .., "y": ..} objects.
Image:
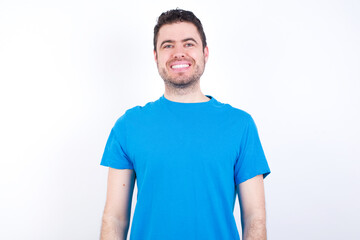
[
  {"x": 114, "y": 155},
  {"x": 251, "y": 160}
]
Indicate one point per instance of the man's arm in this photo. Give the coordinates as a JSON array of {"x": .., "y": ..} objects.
[
  {"x": 252, "y": 204},
  {"x": 116, "y": 218}
]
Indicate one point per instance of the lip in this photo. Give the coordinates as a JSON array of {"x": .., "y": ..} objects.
[{"x": 180, "y": 63}]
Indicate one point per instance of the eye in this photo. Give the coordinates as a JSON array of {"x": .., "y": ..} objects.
[
  {"x": 189, "y": 45},
  {"x": 167, "y": 46}
]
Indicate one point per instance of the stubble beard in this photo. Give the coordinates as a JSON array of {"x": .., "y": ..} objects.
[{"x": 182, "y": 82}]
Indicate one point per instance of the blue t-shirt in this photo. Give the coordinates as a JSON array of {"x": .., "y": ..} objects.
[{"x": 188, "y": 159}]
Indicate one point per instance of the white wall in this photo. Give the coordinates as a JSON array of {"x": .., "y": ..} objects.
[{"x": 69, "y": 69}]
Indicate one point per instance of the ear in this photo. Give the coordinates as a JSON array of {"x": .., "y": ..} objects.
[
  {"x": 155, "y": 56},
  {"x": 206, "y": 53}
]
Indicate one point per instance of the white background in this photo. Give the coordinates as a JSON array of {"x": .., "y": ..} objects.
[{"x": 69, "y": 69}]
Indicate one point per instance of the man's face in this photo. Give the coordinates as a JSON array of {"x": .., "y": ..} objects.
[{"x": 179, "y": 54}]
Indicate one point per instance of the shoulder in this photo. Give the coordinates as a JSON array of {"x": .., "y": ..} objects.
[
  {"x": 234, "y": 112},
  {"x": 136, "y": 113},
  {"x": 141, "y": 110}
]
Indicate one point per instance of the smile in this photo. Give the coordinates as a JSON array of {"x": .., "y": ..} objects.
[{"x": 180, "y": 66}]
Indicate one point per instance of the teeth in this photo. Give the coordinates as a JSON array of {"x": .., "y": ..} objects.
[{"x": 180, "y": 66}]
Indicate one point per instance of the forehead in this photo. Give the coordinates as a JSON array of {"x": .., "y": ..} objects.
[{"x": 178, "y": 31}]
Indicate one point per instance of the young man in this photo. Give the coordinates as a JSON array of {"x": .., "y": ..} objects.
[{"x": 189, "y": 152}]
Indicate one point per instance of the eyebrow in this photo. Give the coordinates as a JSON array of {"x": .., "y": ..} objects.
[
  {"x": 172, "y": 41},
  {"x": 189, "y": 39}
]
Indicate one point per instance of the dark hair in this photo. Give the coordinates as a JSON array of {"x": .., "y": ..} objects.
[{"x": 178, "y": 15}]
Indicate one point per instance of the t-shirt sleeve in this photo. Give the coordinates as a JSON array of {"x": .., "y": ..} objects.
[
  {"x": 251, "y": 160},
  {"x": 114, "y": 155}
]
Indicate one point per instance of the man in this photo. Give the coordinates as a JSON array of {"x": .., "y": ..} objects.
[{"x": 189, "y": 152}]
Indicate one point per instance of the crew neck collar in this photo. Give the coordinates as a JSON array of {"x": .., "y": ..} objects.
[{"x": 182, "y": 104}]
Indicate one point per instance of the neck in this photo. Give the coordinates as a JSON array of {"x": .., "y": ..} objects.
[{"x": 185, "y": 95}]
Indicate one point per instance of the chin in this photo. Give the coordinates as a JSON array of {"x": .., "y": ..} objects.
[{"x": 182, "y": 83}]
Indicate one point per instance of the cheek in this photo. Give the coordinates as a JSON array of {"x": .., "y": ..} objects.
[
  {"x": 162, "y": 62},
  {"x": 162, "y": 59},
  {"x": 198, "y": 57}
]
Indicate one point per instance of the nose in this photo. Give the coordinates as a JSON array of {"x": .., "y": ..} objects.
[
  {"x": 179, "y": 55},
  {"x": 179, "y": 52}
]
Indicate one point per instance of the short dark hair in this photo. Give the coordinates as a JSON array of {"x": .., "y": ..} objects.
[{"x": 179, "y": 15}]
